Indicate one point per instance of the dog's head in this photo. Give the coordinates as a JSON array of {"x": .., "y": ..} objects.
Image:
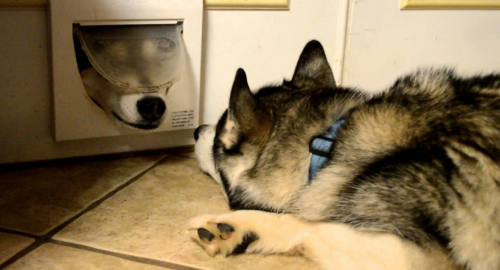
[
  {"x": 143, "y": 111},
  {"x": 258, "y": 151}
]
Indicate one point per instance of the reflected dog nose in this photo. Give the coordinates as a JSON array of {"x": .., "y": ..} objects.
[
  {"x": 198, "y": 130},
  {"x": 151, "y": 108}
]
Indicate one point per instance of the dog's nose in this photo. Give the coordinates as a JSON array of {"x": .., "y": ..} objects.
[
  {"x": 198, "y": 130},
  {"x": 151, "y": 108}
]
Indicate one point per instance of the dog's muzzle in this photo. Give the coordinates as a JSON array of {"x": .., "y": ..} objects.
[
  {"x": 198, "y": 130},
  {"x": 203, "y": 149}
]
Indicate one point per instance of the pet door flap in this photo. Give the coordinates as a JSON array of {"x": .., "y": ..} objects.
[{"x": 139, "y": 58}]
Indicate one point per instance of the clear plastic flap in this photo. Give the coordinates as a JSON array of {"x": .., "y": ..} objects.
[{"x": 139, "y": 58}]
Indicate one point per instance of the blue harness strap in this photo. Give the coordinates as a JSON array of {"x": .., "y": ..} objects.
[{"x": 320, "y": 148}]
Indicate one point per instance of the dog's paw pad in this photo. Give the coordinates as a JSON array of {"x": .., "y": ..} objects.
[
  {"x": 205, "y": 235},
  {"x": 220, "y": 237},
  {"x": 225, "y": 230}
]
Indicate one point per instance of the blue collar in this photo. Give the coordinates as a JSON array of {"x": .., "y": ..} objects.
[{"x": 321, "y": 146}]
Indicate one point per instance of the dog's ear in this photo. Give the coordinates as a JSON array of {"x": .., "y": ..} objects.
[
  {"x": 243, "y": 105},
  {"x": 246, "y": 116},
  {"x": 313, "y": 69}
]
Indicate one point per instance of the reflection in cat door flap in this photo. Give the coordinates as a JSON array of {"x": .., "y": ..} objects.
[{"x": 125, "y": 67}]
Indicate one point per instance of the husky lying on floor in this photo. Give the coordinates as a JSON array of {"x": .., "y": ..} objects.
[{"x": 412, "y": 179}]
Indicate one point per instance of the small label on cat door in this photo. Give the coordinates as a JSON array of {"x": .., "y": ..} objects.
[{"x": 182, "y": 119}]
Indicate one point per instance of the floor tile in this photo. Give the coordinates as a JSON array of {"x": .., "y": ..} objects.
[
  {"x": 189, "y": 154},
  {"x": 37, "y": 200},
  {"x": 51, "y": 256},
  {"x": 10, "y": 244},
  {"x": 148, "y": 219}
]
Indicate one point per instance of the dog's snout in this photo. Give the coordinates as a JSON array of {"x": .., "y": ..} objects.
[
  {"x": 151, "y": 108},
  {"x": 198, "y": 130}
]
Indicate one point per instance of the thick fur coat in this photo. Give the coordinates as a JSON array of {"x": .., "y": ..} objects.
[{"x": 413, "y": 181}]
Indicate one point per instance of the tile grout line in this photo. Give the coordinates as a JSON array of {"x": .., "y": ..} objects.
[
  {"x": 104, "y": 198},
  {"x": 134, "y": 258},
  {"x": 9, "y": 231},
  {"x": 40, "y": 240},
  {"x": 20, "y": 254}
]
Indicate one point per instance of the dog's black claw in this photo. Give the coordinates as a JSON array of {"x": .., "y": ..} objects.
[{"x": 205, "y": 235}]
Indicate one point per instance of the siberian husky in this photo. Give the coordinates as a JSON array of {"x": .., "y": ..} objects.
[{"x": 411, "y": 177}]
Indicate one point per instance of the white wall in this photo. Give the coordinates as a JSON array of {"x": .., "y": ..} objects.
[
  {"x": 265, "y": 43},
  {"x": 385, "y": 42}
]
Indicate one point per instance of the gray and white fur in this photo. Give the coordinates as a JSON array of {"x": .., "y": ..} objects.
[{"x": 413, "y": 181}]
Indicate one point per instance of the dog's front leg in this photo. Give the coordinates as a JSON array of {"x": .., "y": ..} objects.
[{"x": 334, "y": 246}]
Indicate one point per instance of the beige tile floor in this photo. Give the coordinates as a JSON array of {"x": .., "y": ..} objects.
[
  {"x": 127, "y": 213},
  {"x": 10, "y": 244}
]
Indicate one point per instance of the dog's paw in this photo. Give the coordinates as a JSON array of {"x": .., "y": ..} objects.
[{"x": 222, "y": 234}]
